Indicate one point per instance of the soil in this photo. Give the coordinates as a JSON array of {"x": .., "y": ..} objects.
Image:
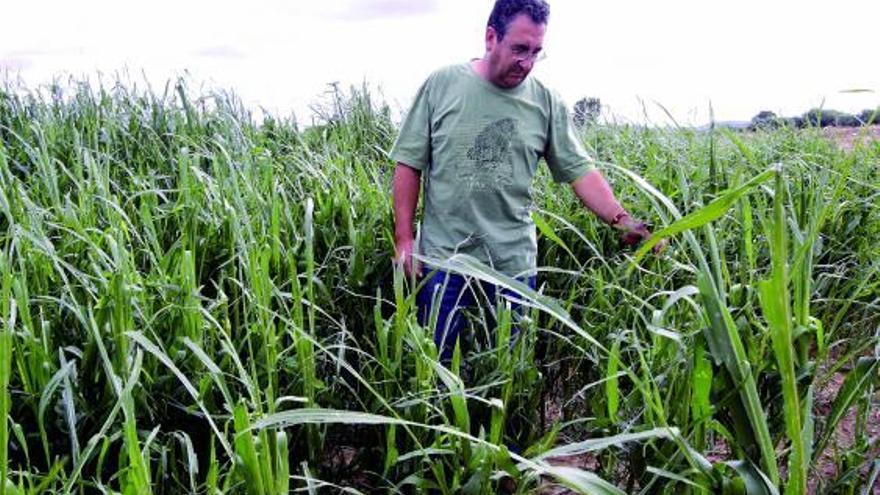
[
  {"x": 850, "y": 137},
  {"x": 827, "y": 466},
  {"x": 844, "y": 437}
]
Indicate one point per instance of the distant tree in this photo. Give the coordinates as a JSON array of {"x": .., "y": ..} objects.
[
  {"x": 766, "y": 120},
  {"x": 820, "y": 117},
  {"x": 586, "y": 111},
  {"x": 869, "y": 116},
  {"x": 814, "y": 118},
  {"x": 846, "y": 120},
  {"x": 830, "y": 118}
]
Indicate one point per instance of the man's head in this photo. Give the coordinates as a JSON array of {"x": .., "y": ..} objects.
[{"x": 514, "y": 39}]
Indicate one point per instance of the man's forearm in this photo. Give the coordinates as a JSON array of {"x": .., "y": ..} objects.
[
  {"x": 595, "y": 193},
  {"x": 406, "y": 197}
]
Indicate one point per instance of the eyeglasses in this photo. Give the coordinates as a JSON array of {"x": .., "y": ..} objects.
[{"x": 523, "y": 53}]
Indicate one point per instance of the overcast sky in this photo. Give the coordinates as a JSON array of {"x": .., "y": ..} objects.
[{"x": 742, "y": 57}]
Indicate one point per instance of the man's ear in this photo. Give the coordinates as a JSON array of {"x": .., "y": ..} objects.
[{"x": 491, "y": 38}]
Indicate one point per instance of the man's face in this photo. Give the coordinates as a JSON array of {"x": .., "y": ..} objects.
[{"x": 512, "y": 57}]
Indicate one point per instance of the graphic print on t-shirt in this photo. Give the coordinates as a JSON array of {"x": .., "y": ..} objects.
[{"x": 490, "y": 161}]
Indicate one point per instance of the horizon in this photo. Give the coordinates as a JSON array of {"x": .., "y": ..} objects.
[
  {"x": 685, "y": 57},
  {"x": 323, "y": 105}
]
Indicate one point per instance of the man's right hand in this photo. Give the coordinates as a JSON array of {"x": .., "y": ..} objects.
[
  {"x": 406, "y": 197},
  {"x": 403, "y": 254}
]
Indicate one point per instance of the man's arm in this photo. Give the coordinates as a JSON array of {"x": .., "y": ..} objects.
[
  {"x": 406, "y": 197},
  {"x": 595, "y": 193}
]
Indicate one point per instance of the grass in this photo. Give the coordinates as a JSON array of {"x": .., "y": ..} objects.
[{"x": 195, "y": 302}]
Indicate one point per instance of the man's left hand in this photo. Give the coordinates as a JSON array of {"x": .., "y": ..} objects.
[{"x": 633, "y": 232}]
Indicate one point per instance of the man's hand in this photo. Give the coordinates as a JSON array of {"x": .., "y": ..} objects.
[
  {"x": 406, "y": 196},
  {"x": 633, "y": 232},
  {"x": 595, "y": 193},
  {"x": 403, "y": 255}
]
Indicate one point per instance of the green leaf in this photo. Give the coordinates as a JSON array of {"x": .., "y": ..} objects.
[
  {"x": 150, "y": 347},
  {"x": 704, "y": 215},
  {"x": 776, "y": 304},
  {"x": 456, "y": 395},
  {"x": 755, "y": 481},
  {"x": 872, "y": 478},
  {"x": 674, "y": 477},
  {"x": 701, "y": 390},
  {"x": 726, "y": 347},
  {"x": 5, "y": 374},
  {"x": 582, "y": 481},
  {"x": 246, "y": 452},
  {"x": 612, "y": 394},
  {"x": 595, "y": 444},
  {"x": 548, "y": 232}
]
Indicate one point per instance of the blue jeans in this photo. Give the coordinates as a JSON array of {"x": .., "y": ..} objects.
[{"x": 457, "y": 296}]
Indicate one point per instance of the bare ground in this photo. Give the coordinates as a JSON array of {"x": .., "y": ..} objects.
[
  {"x": 827, "y": 465},
  {"x": 850, "y": 137},
  {"x": 845, "y": 435}
]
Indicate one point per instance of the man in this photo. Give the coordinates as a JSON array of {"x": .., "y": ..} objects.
[{"x": 476, "y": 132}]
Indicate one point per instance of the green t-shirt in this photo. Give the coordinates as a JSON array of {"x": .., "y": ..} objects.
[{"x": 478, "y": 147}]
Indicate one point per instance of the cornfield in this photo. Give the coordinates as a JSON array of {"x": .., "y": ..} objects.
[{"x": 196, "y": 302}]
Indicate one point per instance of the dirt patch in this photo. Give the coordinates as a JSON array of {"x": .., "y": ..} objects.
[
  {"x": 844, "y": 437},
  {"x": 826, "y": 467},
  {"x": 850, "y": 137}
]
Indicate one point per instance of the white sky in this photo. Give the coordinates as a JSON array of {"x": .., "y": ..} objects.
[{"x": 745, "y": 56}]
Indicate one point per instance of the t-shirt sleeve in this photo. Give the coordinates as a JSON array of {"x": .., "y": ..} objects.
[
  {"x": 565, "y": 154},
  {"x": 413, "y": 144}
]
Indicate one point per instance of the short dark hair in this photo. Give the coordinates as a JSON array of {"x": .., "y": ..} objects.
[{"x": 505, "y": 10}]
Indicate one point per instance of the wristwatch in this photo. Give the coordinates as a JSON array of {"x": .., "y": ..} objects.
[{"x": 617, "y": 218}]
